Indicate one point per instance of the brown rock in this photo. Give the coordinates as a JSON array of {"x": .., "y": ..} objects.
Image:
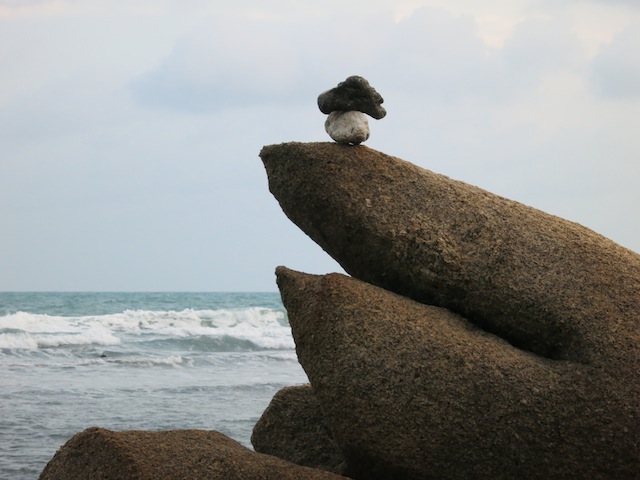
[
  {"x": 545, "y": 284},
  {"x": 412, "y": 391},
  {"x": 97, "y": 453},
  {"x": 293, "y": 428}
]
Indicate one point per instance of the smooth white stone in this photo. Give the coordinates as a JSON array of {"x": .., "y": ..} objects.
[{"x": 349, "y": 127}]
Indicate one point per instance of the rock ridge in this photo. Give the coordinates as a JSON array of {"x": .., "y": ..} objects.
[
  {"x": 476, "y": 337},
  {"x": 548, "y": 285},
  {"x": 415, "y": 391}
]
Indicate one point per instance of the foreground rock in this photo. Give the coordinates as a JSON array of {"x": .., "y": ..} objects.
[
  {"x": 412, "y": 391},
  {"x": 544, "y": 284},
  {"x": 349, "y": 128},
  {"x": 293, "y": 428},
  {"x": 97, "y": 453}
]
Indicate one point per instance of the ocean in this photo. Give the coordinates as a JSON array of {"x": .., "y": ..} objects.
[{"x": 135, "y": 361}]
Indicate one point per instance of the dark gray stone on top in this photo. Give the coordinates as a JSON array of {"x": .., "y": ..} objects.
[{"x": 354, "y": 93}]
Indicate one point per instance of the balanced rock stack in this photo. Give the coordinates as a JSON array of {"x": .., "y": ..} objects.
[
  {"x": 475, "y": 338},
  {"x": 346, "y": 106}
]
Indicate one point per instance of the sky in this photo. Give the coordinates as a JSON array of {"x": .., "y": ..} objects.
[{"x": 130, "y": 130}]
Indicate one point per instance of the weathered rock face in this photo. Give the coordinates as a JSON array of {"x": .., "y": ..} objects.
[
  {"x": 347, "y": 127},
  {"x": 546, "y": 285},
  {"x": 293, "y": 428},
  {"x": 97, "y": 453},
  {"x": 412, "y": 391}
]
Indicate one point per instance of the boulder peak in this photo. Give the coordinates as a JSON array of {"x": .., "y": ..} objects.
[{"x": 547, "y": 285}]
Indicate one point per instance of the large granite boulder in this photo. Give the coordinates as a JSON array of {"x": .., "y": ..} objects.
[
  {"x": 412, "y": 391},
  {"x": 293, "y": 428},
  {"x": 544, "y": 284},
  {"x": 96, "y": 453}
]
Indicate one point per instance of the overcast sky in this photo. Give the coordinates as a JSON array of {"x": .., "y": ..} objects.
[{"x": 130, "y": 130}]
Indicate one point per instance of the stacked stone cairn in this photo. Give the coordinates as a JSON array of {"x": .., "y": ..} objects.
[
  {"x": 346, "y": 106},
  {"x": 474, "y": 338}
]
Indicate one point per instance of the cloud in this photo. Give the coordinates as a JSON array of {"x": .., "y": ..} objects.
[
  {"x": 236, "y": 59},
  {"x": 430, "y": 52},
  {"x": 626, "y": 3},
  {"x": 539, "y": 45},
  {"x": 615, "y": 71},
  {"x": 435, "y": 54}
]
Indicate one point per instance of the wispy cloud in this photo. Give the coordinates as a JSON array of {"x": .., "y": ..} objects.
[{"x": 616, "y": 70}]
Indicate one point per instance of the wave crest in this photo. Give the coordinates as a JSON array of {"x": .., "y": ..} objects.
[{"x": 243, "y": 328}]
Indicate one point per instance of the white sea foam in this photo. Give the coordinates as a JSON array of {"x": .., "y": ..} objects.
[
  {"x": 18, "y": 341},
  {"x": 31, "y": 322},
  {"x": 171, "y": 361},
  {"x": 29, "y": 341},
  {"x": 93, "y": 336},
  {"x": 263, "y": 327}
]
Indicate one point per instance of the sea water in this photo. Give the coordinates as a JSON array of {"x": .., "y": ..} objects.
[{"x": 135, "y": 361}]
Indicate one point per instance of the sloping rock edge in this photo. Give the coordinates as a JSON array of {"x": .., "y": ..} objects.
[{"x": 98, "y": 453}]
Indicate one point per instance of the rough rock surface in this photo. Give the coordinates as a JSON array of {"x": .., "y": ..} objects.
[
  {"x": 347, "y": 127},
  {"x": 354, "y": 93},
  {"x": 293, "y": 428},
  {"x": 547, "y": 285},
  {"x": 97, "y": 453},
  {"x": 412, "y": 391}
]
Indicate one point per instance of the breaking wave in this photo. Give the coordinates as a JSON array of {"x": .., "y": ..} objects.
[{"x": 250, "y": 328}]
